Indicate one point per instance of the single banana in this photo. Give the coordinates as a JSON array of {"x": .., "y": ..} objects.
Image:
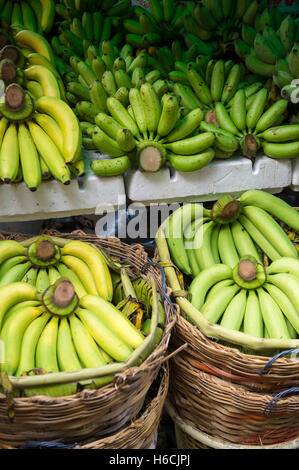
[
  {"x": 15, "y": 274},
  {"x": 279, "y": 150},
  {"x": 269, "y": 117},
  {"x": 272, "y": 204},
  {"x": 109, "y": 341},
  {"x": 185, "y": 126},
  {"x": 243, "y": 242},
  {"x": 256, "y": 109},
  {"x": 168, "y": 116},
  {"x": 152, "y": 107},
  {"x": 259, "y": 238},
  {"x": 114, "y": 319},
  {"x": 12, "y": 334},
  {"x": 272, "y": 316},
  {"x": 284, "y": 304},
  {"x": 224, "y": 120},
  {"x": 253, "y": 319},
  {"x": 226, "y": 246},
  {"x": 29, "y": 158},
  {"x": 42, "y": 280},
  {"x": 137, "y": 104},
  {"x": 216, "y": 306},
  {"x": 45, "y": 78},
  {"x": 187, "y": 163},
  {"x": 121, "y": 115},
  {"x": 207, "y": 279},
  {"x": 9, "y": 154},
  {"x": 203, "y": 248},
  {"x": 29, "y": 342},
  {"x": 50, "y": 153},
  {"x": 271, "y": 230},
  {"x": 231, "y": 84},
  {"x": 233, "y": 315},
  {"x": 46, "y": 358},
  {"x": 191, "y": 145},
  {"x": 96, "y": 262},
  {"x": 66, "y": 352},
  {"x": 68, "y": 123},
  {"x": 238, "y": 110}
]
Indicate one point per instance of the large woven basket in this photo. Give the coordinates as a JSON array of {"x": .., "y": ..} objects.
[
  {"x": 221, "y": 390},
  {"x": 140, "y": 433},
  {"x": 230, "y": 411},
  {"x": 89, "y": 413},
  {"x": 188, "y": 437}
]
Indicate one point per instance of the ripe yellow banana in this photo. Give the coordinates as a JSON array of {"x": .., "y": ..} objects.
[
  {"x": 96, "y": 262},
  {"x": 12, "y": 334},
  {"x": 29, "y": 158},
  {"x": 68, "y": 123},
  {"x": 81, "y": 269},
  {"x": 114, "y": 319},
  {"x": 9, "y": 155}
]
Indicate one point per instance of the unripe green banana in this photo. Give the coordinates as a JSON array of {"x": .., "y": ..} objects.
[
  {"x": 121, "y": 115},
  {"x": 185, "y": 126},
  {"x": 106, "y": 144},
  {"x": 125, "y": 140},
  {"x": 187, "y": 163},
  {"x": 256, "y": 109},
  {"x": 277, "y": 150},
  {"x": 168, "y": 116},
  {"x": 191, "y": 145},
  {"x": 270, "y": 116}
]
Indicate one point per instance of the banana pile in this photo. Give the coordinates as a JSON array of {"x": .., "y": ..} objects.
[
  {"x": 242, "y": 264},
  {"x": 272, "y": 51},
  {"x": 249, "y": 125},
  {"x": 216, "y": 24},
  {"x": 35, "y": 15},
  {"x": 233, "y": 228},
  {"x": 76, "y": 35},
  {"x": 149, "y": 132},
  {"x": 162, "y": 23},
  {"x": 69, "y": 9},
  {"x": 43, "y": 262},
  {"x": 259, "y": 302},
  {"x": 58, "y": 313},
  {"x": 39, "y": 140}
]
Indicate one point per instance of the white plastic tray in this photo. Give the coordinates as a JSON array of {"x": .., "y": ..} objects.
[
  {"x": 295, "y": 175},
  {"x": 220, "y": 177},
  {"x": 54, "y": 200}
]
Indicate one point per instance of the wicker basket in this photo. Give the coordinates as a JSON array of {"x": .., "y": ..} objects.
[
  {"x": 90, "y": 412},
  {"x": 140, "y": 433},
  {"x": 188, "y": 437},
  {"x": 220, "y": 388},
  {"x": 229, "y": 411}
]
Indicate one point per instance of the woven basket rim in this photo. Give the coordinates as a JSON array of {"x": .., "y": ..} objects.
[
  {"x": 257, "y": 360},
  {"x": 216, "y": 442}
]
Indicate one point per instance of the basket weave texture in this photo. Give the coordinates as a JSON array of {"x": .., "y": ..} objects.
[
  {"x": 215, "y": 404},
  {"x": 89, "y": 413}
]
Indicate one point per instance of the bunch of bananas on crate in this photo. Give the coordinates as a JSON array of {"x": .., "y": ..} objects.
[
  {"x": 76, "y": 35},
  {"x": 216, "y": 24},
  {"x": 147, "y": 133},
  {"x": 62, "y": 317},
  {"x": 70, "y": 9},
  {"x": 273, "y": 51},
  {"x": 159, "y": 25},
  {"x": 243, "y": 265},
  {"x": 35, "y": 15}
]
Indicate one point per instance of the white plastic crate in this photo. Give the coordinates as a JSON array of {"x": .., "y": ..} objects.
[
  {"x": 55, "y": 200},
  {"x": 220, "y": 177},
  {"x": 295, "y": 175}
]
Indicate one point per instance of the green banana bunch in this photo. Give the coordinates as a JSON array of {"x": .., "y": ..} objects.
[
  {"x": 33, "y": 15},
  {"x": 147, "y": 133},
  {"x": 247, "y": 299},
  {"x": 215, "y": 25},
  {"x": 232, "y": 229},
  {"x": 270, "y": 49},
  {"x": 106, "y": 8},
  {"x": 250, "y": 121},
  {"x": 162, "y": 23}
]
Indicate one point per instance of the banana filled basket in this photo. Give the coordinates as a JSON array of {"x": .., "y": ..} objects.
[
  {"x": 83, "y": 368},
  {"x": 233, "y": 271}
]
